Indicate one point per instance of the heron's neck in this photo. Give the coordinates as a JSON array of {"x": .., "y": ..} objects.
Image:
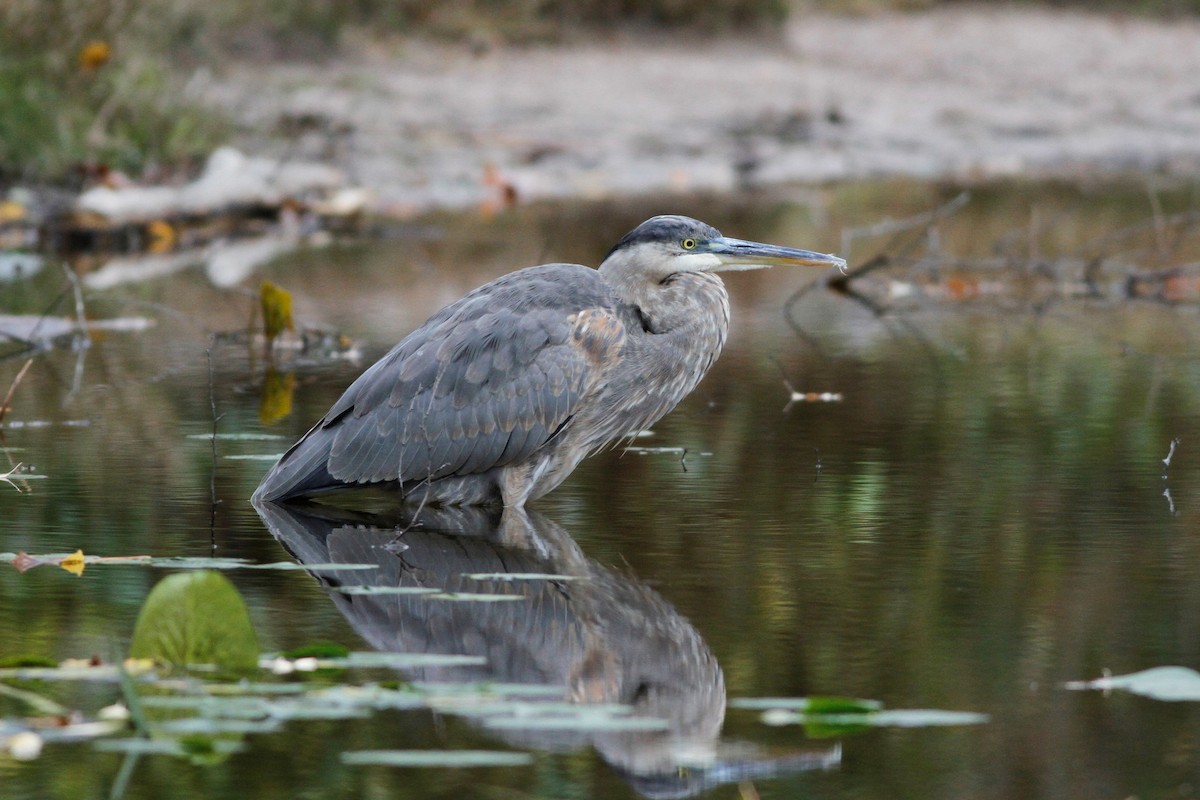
[{"x": 687, "y": 313}]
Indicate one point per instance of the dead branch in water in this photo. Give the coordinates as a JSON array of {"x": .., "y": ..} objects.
[
  {"x": 12, "y": 390},
  {"x": 1155, "y": 258}
]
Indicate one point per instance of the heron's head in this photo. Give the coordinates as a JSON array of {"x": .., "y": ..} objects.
[{"x": 666, "y": 245}]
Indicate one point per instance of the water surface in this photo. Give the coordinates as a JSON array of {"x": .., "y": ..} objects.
[{"x": 980, "y": 514}]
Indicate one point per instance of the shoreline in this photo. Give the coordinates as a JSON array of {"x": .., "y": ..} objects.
[{"x": 960, "y": 93}]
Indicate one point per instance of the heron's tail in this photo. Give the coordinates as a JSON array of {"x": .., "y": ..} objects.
[{"x": 301, "y": 471}]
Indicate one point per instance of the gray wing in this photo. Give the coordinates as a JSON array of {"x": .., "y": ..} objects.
[{"x": 485, "y": 382}]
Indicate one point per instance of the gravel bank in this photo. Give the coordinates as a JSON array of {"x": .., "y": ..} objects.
[{"x": 965, "y": 92}]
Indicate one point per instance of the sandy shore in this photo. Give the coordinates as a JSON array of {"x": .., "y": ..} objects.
[{"x": 972, "y": 92}]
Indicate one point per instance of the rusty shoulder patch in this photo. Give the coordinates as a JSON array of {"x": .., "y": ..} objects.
[{"x": 598, "y": 334}]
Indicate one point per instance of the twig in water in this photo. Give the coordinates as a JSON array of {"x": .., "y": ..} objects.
[
  {"x": 683, "y": 459},
  {"x": 212, "y": 474},
  {"x": 1170, "y": 503},
  {"x": 1170, "y": 454},
  {"x": 13, "y": 388},
  {"x": 7, "y": 477},
  {"x": 924, "y": 221},
  {"x": 808, "y": 397},
  {"x": 80, "y": 312}
]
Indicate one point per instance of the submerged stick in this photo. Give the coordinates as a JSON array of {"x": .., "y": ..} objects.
[
  {"x": 13, "y": 388},
  {"x": 1170, "y": 454},
  {"x": 924, "y": 222},
  {"x": 212, "y": 473}
]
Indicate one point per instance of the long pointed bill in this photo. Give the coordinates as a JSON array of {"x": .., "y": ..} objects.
[{"x": 737, "y": 254}]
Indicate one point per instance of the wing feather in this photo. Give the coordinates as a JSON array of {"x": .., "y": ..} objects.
[{"x": 484, "y": 383}]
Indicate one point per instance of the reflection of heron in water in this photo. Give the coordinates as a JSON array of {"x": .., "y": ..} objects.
[
  {"x": 498, "y": 396},
  {"x": 604, "y": 638}
]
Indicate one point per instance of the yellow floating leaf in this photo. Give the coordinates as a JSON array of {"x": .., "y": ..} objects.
[
  {"x": 277, "y": 391},
  {"x": 73, "y": 563},
  {"x": 277, "y": 309}
]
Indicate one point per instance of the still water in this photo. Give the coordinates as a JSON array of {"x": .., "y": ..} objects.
[{"x": 977, "y": 513}]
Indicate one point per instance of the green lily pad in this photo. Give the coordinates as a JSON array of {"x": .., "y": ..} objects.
[
  {"x": 196, "y": 618},
  {"x": 521, "y": 576},
  {"x": 812, "y": 705},
  {"x": 437, "y": 758},
  {"x": 237, "y": 437},
  {"x": 1172, "y": 684}
]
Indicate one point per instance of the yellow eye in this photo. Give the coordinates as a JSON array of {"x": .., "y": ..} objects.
[{"x": 689, "y": 244}]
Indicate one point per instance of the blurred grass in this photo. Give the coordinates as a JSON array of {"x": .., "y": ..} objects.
[
  {"x": 95, "y": 82},
  {"x": 109, "y": 84}
]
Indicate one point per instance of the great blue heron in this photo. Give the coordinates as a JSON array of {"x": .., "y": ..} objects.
[{"x": 498, "y": 396}]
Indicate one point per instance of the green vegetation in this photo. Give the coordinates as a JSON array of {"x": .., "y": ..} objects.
[
  {"x": 95, "y": 83},
  {"x": 196, "y": 618},
  {"x": 98, "y": 85}
]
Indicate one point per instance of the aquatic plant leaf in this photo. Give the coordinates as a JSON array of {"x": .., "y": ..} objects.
[
  {"x": 200, "y": 562},
  {"x": 437, "y": 758},
  {"x": 107, "y": 673},
  {"x": 215, "y": 726},
  {"x": 522, "y": 576},
  {"x": 23, "y": 561},
  {"x": 815, "y": 705},
  {"x": 316, "y": 711},
  {"x": 318, "y": 650},
  {"x": 188, "y": 746},
  {"x": 475, "y": 597},
  {"x": 12, "y": 662},
  {"x": 924, "y": 718},
  {"x": 367, "y": 590},
  {"x": 251, "y": 688},
  {"x": 580, "y": 722},
  {"x": 820, "y": 725},
  {"x": 73, "y": 563},
  {"x": 237, "y": 437},
  {"x": 1171, "y": 684},
  {"x": 372, "y": 659},
  {"x": 277, "y": 309},
  {"x": 196, "y": 618},
  {"x": 488, "y": 689}
]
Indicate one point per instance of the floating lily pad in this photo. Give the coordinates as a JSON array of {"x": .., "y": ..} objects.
[
  {"x": 522, "y": 576},
  {"x": 437, "y": 758},
  {"x": 169, "y": 747},
  {"x": 368, "y": 590},
  {"x": 231, "y": 707},
  {"x": 826, "y": 724},
  {"x": 814, "y": 705},
  {"x": 107, "y": 673},
  {"x": 215, "y": 726},
  {"x": 582, "y": 721},
  {"x": 400, "y": 660},
  {"x": 200, "y": 562},
  {"x": 237, "y": 437},
  {"x": 196, "y": 618},
  {"x": 475, "y": 597},
  {"x": 486, "y": 689},
  {"x": 1172, "y": 684}
]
